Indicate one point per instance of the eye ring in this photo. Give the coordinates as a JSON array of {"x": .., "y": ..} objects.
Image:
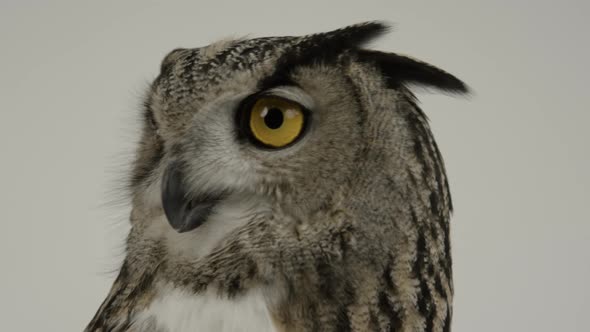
[{"x": 272, "y": 122}]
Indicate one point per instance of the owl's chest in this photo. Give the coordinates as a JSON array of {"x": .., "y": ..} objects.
[{"x": 177, "y": 311}]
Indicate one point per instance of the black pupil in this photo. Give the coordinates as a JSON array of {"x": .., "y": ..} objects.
[{"x": 274, "y": 118}]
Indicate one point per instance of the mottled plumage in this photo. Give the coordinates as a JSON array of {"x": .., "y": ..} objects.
[{"x": 347, "y": 229}]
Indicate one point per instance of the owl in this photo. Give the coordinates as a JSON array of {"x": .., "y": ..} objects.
[{"x": 287, "y": 184}]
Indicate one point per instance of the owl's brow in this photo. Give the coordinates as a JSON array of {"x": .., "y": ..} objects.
[{"x": 321, "y": 48}]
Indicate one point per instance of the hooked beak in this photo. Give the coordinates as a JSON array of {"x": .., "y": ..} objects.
[{"x": 183, "y": 212}]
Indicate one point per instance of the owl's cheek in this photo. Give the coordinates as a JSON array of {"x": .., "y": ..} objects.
[{"x": 183, "y": 211}]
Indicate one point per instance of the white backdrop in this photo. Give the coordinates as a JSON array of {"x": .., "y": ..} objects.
[{"x": 517, "y": 154}]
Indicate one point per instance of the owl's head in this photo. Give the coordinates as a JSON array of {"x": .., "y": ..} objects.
[
  {"x": 300, "y": 168},
  {"x": 302, "y": 124}
]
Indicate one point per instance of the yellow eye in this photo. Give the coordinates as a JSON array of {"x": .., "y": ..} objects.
[{"x": 275, "y": 121}]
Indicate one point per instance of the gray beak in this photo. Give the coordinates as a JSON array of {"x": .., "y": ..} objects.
[{"x": 184, "y": 212}]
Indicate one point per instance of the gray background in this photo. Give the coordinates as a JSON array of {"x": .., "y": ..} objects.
[{"x": 72, "y": 73}]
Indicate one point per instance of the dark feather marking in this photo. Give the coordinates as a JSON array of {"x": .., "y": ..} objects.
[
  {"x": 422, "y": 150},
  {"x": 413, "y": 215},
  {"x": 387, "y": 308},
  {"x": 234, "y": 286},
  {"x": 418, "y": 120},
  {"x": 444, "y": 185},
  {"x": 327, "y": 280},
  {"x": 122, "y": 302},
  {"x": 387, "y": 278},
  {"x": 434, "y": 208},
  {"x": 421, "y": 252},
  {"x": 447, "y": 267},
  {"x": 252, "y": 270},
  {"x": 449, "y": 200},
  {"x": 373, "y": 321},
  {"x": 349, "y": 298},
  {"x": 425, "y": 301},
  {"x": 313, "y": 312},
  {"x": 447, "y": 321},
  {"x": 343, "y": 321},
  {"x": 426, "y": 305},
  {"x": 419, "y": 150},
  {"x": 438, "y": 286},
  {"x": 105, "y": 311},
  {"x": 430, "y": 270},
  {"x": 145, "y": 282},
  {"x": 362, "y": 117},
  {"x": 430, "y": 319}
]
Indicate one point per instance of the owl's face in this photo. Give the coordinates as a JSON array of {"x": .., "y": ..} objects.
[{"x": 280, "y": 142}]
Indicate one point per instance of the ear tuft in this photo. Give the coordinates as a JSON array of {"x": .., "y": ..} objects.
[
  {"x": 322, "y": 48},
  {"x": 327, "y": 46},
  {"x": 400, "y": 70},
  {"x": 352, "y": 36}
]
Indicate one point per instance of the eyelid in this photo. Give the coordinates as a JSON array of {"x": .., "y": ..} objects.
[{"x": 292, "y": 93}]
